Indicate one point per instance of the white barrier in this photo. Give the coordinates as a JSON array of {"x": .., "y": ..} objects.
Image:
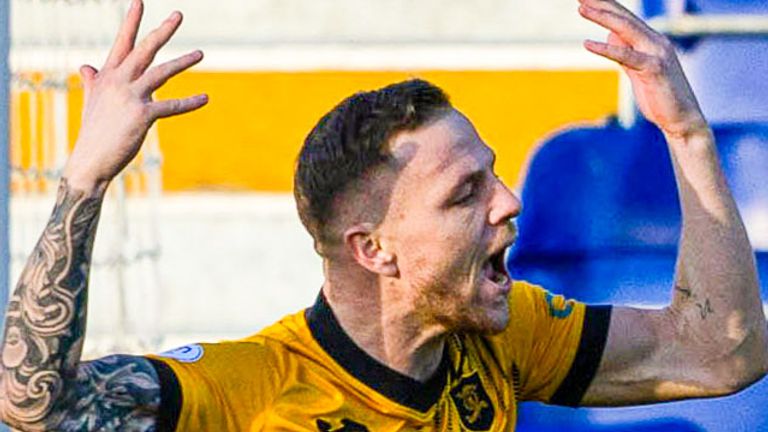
[{"x": 712, "y": 25}]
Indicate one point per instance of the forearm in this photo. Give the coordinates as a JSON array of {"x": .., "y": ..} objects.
[
  {"x": 717, "y": 298},
  {"x": 45, "y": 319}
]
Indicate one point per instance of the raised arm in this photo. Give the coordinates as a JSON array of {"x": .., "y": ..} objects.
[
  {"x": 711, "y": 339},
  {"x": 43, "y": 383}
]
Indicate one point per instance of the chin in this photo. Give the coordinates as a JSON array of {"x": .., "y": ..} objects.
[
  {"x": 497, "y": 324},
  {"x": 490, "y": 321}
]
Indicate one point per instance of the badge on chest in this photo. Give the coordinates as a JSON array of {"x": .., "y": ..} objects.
[{"x": 473, "y": 403}]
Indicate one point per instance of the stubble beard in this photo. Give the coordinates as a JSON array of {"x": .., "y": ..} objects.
[{"x": 439, "y": 302}]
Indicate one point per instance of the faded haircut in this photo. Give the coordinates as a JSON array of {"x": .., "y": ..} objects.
[{"x": 351, "y": 140}]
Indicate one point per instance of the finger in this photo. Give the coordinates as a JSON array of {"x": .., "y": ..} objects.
[
  {"x": 172, "y": 107},
  {"x": 625, "y": 56},
  {"x": 87, "y": 74},
  {"x": 630, "y": 29},
  {"x": 621, "y": 10},
  {"x": 611, "y": 5},
  {"x": 141, "y": 57},
  {"x": 159, "y": 74},
  {"x": 607, "y": 4},
  {"x": 613, "y": 39},
  {"x": 126, "y": 37}
]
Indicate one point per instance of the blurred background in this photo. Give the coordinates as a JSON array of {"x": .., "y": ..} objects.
[{"x": 199, "y": 239}]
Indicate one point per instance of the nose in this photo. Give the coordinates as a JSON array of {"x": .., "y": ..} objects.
[{"x": 504, "y": 205}]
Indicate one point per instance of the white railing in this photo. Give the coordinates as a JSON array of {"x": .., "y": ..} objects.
[
  {"x": 712, "y": 25},
  {"x": 688, "y": 25}
]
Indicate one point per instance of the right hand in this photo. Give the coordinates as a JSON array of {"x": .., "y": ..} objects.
[
  {"x": 661, "y": 89},
  {"x": 118, "y": 108}
]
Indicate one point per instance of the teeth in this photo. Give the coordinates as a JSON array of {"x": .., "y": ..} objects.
[
  {"x": 500, "y": 278},
  {"x": 497, "y": 277}
]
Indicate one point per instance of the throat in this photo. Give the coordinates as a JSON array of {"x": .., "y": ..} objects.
[
  {"x": 399, "y": 341},
  {"x": 412, "y": 375},
  {"x": 415, "y": 353},
  {"x": 424, "y": 362}
]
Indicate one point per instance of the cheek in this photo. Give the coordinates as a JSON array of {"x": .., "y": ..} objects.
[{"x": 440, "y": 246}]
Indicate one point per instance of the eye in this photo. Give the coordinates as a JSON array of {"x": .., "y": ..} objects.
[{"x": 466, "y": 194}]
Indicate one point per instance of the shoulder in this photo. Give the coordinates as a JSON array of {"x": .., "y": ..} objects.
[
  {"x": 526, "y": 298},
  {"x": 555, "y": 344},
  {"x": 271, "y": 349},
  {"x": 205, "y": 384},
  {"x": 541, "y": 325},
  {"x": 224, "y": 361}
]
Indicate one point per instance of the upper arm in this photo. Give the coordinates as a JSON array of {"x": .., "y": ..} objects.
[
  {"x": 118, "y": 392},
  {"x": 650, "y": 357}
]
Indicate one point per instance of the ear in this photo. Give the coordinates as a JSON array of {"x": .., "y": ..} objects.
[{"x": 365, "y": 247}]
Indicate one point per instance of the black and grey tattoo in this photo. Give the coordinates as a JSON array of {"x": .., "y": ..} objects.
[
  {"x": 686, "y": 292},
  {"x": 114, "y": 393},
  {"x": 42, "y": 385},
  {"x": 705, "y": 307}
]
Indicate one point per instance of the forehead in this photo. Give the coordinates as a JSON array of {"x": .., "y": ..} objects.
[{"x": 448, "y": 144}]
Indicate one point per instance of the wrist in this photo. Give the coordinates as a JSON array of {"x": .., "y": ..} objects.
[
  {"x": 90, "y": 185},
  {"x": 692, "y": 130}
]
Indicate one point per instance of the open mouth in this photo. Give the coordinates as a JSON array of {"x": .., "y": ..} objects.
[{"x": 495, "y": 270}]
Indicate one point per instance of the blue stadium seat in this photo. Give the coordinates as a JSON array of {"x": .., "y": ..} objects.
[
  {"x": 721, "y": 67},
  {"x": 601, "y": 222},
  {"x": 613, "y": 199},
  {"x": 653, "y": 8}
]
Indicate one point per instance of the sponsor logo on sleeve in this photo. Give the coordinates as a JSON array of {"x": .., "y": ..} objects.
[
  {"x": 186, "y": 354},
  {"x": 559, "y": 311}
]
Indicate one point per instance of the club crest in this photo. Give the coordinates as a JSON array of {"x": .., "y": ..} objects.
[{"x": 472, "y": 401}]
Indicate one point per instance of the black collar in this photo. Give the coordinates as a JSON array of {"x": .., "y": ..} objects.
[{"x": 398, "y": 387}]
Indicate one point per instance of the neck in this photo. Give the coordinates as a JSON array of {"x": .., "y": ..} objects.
[{"x": 386, "y": 326}]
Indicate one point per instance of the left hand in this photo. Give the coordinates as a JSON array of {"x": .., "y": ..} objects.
[
  {"x": 648, "y": 57},
  {"x": 118, "y": 107}
]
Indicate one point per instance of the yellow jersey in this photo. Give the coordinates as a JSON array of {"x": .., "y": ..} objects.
[{"x": 304, "y": 373}]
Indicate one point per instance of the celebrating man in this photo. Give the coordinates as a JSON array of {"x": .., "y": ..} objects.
[{"x": 418, "y": 325}]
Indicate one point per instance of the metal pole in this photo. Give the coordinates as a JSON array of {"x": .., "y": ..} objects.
[
  {"x": 5, "y": 76},
  {"x": 5, "y": 42}
]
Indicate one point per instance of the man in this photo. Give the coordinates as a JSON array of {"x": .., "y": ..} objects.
[{"x": 418, "y": 325}]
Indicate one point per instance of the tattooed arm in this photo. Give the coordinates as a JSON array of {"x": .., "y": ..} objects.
[
  {"x": 43, "y": 386},
  {"x": 711, "y": 339},
  {"x": 43, "y": 383}
]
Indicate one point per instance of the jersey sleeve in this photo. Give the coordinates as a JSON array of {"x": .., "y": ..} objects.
[
  {"x": 554, "y": 345},
  {"x": 222, "y": 387}
]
